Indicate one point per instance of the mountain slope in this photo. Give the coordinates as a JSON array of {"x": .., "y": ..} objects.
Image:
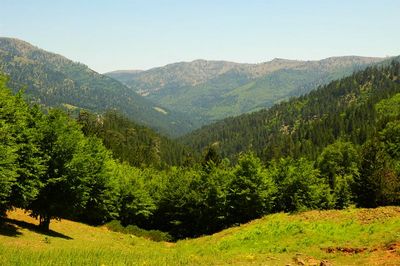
[
  {"x": 54, "y": 80},
  {"x": 214, "y": 90},
  {"x": 303, "y": 126},
  {"x": 132, "y": 143}
]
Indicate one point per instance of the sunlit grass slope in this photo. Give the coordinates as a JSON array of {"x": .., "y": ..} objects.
[{"x": 349, "y": 237}]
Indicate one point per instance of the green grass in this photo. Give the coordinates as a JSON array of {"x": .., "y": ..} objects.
[{"x": 277, "y": 239}]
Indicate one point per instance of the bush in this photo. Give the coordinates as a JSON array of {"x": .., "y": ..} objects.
[
  {"x": 299, "y": 186},
  {"x": 154, "y": 235},
  {"x": 251, "y": 191}
]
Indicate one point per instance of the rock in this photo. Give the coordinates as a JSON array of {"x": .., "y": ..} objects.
[
  {"x": 325, "y": 263},
  {"x": 298, "y": 261}
]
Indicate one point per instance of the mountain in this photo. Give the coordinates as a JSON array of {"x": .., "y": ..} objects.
[
  {"x": 212, "y": 90},
  {"x": 53, "y": 80},
  {"x": 343, "y": 109},
  {"x": 123, "y": 75}
]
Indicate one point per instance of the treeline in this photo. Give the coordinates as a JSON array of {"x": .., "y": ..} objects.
[
  {"x": 49, "y": 167},
  {"x": 303, "y": 126},
  {"x": 137, "y": 145}
]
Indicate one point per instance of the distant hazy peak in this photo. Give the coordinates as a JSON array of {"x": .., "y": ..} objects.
[
  {"x": 128, "y": 71},
  {"x": 201, "y": 70}
]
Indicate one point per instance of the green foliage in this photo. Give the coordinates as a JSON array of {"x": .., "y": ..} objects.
[
  {"x": 304, "y": 126},
  {"x": 64, "y": 176},
  {"x": 97, "y": 167},
  {"x": 379, "y": 183},
  {"x": 8, "y": 157},
  {"x": 339, "y": 165},
  {"x": 299, "y": 186},
  {"x": 375, "y": 182},
  {"x": 62, "y": 173},
  {"x": 58, "y": 168},
  {"x": 136, "y": 205},
  {"x": 251, "y": 190},
  {"x": 178, "y": 209},
  {"x": 137, "y": 145},
  {"x": 8, "y": 167},
  {"x": 390, "y": 136},
  {"x": 21, "y": 160},
  {"x": 389, "y": 108},
  {"x": 212, "y": 155},
  {"x": 193, "y": 201},
  {"x": 154, "y": 235}
]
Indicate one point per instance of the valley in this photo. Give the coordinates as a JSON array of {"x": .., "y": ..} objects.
[{"x": 199, "y": 133}]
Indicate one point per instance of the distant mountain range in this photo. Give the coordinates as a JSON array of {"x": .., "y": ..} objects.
[
  {"x": 174, "y": 99},
  {"x": 53, "y": 80},
  {"x": 212, "y": 90},
  {"x": 303, "y": 126}
]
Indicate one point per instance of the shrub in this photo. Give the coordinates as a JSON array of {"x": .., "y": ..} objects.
[{"x": 154, "y": 235}]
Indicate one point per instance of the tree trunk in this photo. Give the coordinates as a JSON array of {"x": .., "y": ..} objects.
[{"x": 44, "y": 222}]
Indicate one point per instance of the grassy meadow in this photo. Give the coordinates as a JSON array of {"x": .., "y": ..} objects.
[{"x": 347, "y": 237}]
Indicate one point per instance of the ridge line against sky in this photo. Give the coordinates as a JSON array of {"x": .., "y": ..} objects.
[{"x": 111, "y": 35}]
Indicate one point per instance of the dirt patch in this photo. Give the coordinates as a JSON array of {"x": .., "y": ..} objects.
[
  {"x": 393, "y": 247},
  {"x": 367, "y": 216},
  {"x": 317, "y": 215},
  {"x": 309, "y": 261},
  {"x": 362, "y": 215},
  {"x": 383, "y": 255},
  {"x": 346, "y": 250},
  {"x": 387, "y": 255}
]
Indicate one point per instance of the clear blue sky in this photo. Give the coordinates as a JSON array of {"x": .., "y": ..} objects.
[{"x": 122, "y": 34}]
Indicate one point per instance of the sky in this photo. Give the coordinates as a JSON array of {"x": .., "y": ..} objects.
[{"x": 108, "y": 35}]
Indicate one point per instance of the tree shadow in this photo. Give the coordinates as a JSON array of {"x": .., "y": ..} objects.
[{"x": 8, "y": 227}]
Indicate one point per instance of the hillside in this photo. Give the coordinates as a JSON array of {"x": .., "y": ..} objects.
[
  {"x": 135, "y": 144},
  {"x": 304, "y": 126},
  {"x": 212, "y": 90},
  {"x": 53, "y": 80},
  {"x": 347, "y": 237}
]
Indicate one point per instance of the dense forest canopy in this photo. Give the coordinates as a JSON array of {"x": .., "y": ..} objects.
[
  {"x": 303, "y": 126},
  {"x": 135, "y": 144}
]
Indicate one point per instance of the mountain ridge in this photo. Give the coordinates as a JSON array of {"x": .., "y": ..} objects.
[
  {"x": 316, "y": 119},
  {"x": 51, "y": 79},
  {"x": 215, "y": 90}
]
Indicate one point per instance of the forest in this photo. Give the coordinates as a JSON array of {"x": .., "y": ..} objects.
[{"x": 336, "y": 147}]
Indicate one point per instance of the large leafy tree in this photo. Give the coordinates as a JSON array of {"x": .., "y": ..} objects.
[
  {"x": 339, "y": 165},
  {"x": 136, "y": 204},
  {"x": 379, "y": 181},
  {"x": 299, "y": 186},
  {"x": 64, "y": 189},
  {"x": 96, "y": 169},
  {"x": 8, "y": 166},
  {"x": 21, "y": 161},
  {"x": 251, "y": 191}
]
